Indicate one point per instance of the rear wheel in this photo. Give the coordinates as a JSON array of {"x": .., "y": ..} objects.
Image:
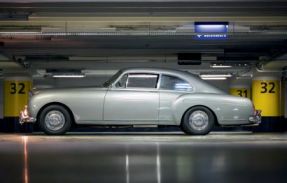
[
  {"x": 198, "y": 121},
  {"x": 55, "y": 120}
]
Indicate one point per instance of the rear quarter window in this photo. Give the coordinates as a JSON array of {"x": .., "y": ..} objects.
[{"x": 169, "y": 82}]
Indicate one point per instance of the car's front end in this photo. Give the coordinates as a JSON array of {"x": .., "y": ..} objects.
[{"x": 25, "y": 116}]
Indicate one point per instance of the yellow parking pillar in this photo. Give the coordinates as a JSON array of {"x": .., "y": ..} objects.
[
  {"x": 16, "y": 94},
  {"x": 240, "y": 87},
  {"x": 266, "y": 93},
  {"x": 240, "y": 90}
]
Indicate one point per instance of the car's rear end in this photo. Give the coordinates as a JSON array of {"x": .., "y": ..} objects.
[{"x": 255, "y": 119}]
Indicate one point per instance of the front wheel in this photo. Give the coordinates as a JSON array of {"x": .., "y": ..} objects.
[
  {"x": 198, "y": 121},
  {"x": 55, "y": 120}
]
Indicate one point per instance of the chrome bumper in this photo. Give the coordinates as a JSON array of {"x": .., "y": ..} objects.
[
  {"x": 255, "y": 119},
  {"x": 25, "y": 118}
]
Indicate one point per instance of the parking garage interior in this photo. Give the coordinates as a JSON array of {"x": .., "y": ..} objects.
[{"x": 69, "y": 43}]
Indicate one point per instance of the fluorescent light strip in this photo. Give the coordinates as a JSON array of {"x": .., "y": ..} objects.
[
  {"x": 68, "y": 76},
  {"x": 220, "y": 66},
  {"x": 212, "y": 26},
  {"x": 215, "y": 75},
  {"x": 215, "y": 78}
]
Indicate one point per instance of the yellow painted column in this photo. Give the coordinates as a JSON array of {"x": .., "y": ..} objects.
[
  {"x": 241, "y": 91},
  {"x": 16, "y": 94},
  {"x": 283, "y": 97},
  {"x": 266, "y": 95}
]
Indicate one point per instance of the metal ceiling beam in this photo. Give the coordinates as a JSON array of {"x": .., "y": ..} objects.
[
  {"x": 153, "y": 8},
  {"x": 65, "y": 16}
]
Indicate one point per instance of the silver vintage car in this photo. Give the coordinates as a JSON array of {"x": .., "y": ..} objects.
[{"x": 140, "y": 96}]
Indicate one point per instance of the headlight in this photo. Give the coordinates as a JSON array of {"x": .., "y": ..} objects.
[{"x": 24, "y": 113}]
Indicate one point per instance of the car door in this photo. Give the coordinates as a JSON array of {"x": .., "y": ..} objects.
[
  {"x": 134, "y": 98},
  {"x": 171, "y": 88}
]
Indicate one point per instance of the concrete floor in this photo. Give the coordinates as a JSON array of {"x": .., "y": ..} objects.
[{"x": 143, "y": 157}]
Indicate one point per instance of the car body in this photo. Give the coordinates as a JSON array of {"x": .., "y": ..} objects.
[{"x": 141, "y": 96}]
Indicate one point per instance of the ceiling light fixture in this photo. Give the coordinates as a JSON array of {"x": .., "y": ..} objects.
[
  {"x": 69, "y": 76},
  {"x": 215, "y": 75},
  {"x": 220, "y": 66},
  {"x": 215, "y": 78}
]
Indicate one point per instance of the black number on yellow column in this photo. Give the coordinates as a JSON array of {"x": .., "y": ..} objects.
[
  {"x": 17, "y": 88},
  {"x": 242, "y": 93},
  {"x": 21, "y": 88},
  {"x": 13, "y": 88},
  {"x": 245, "y": 93},
  {"x": 272, "y": 87},
  {"x": 267, "y": 87}
]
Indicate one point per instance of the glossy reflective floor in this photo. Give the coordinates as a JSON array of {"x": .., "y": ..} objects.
[{"x": 127, "y": 158}]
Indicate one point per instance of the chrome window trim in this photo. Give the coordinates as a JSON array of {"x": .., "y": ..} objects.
[
  {"x": 136, "y": 88},
  {"x": 159, "y": 81}
]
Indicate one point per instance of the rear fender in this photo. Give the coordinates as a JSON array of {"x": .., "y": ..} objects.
[{"x": 227, "y": 109}]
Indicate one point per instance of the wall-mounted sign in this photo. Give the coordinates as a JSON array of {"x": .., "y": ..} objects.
[
  {"x": 211, "y": 36},
  {"x": 211, "y": 30}
]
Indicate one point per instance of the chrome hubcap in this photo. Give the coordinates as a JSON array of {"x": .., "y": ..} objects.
[
  {"x": 54, "y": 120},
  {"x": 198, "y": 120}
]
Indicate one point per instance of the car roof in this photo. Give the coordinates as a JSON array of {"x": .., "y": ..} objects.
[
  {"x": 160, "y": 70},
  {"x": 195, "y": 80}
]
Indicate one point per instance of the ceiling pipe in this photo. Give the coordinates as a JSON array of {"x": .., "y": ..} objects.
[{"x": 260, "y": 67}]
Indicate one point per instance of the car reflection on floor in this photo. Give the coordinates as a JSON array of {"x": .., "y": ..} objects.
[{"x": 103, "y": 157}]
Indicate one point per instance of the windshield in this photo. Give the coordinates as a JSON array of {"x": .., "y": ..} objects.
[{"x": 112, "y": 79}]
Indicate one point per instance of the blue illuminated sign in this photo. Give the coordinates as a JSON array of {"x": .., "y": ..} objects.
[
  {"x": 211, "y": 30},
  {"x": 211, "y": 36}
]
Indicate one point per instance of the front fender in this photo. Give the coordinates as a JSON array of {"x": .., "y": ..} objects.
[{"x": 38, "y": 101}]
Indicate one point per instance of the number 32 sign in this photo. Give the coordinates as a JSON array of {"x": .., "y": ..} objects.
[
  {"x": 266, "y": 96},
  {"x": 16, "y": 95},
  {"x": 17, "y": 88}
]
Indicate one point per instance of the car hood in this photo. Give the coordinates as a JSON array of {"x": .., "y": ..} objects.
[{"x": 36, "y": 91}]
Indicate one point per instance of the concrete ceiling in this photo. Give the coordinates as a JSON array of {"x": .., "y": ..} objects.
[{"x": 47, "y": 30}]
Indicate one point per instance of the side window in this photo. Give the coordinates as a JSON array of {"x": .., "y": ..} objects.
[
  {"x": 122, "y": 82},
  {"x": 142, "y": 80},
  {"x": 174, "y": 83}
]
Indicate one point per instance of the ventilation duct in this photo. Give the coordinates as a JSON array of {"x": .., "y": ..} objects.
[{"x": 189, "y": 58}]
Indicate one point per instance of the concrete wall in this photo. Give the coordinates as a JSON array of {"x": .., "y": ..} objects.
[
  {"x": 221, "y": 84},
  {"x": 1, "y": 98},
  {"x": 285, "y": 98}
]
